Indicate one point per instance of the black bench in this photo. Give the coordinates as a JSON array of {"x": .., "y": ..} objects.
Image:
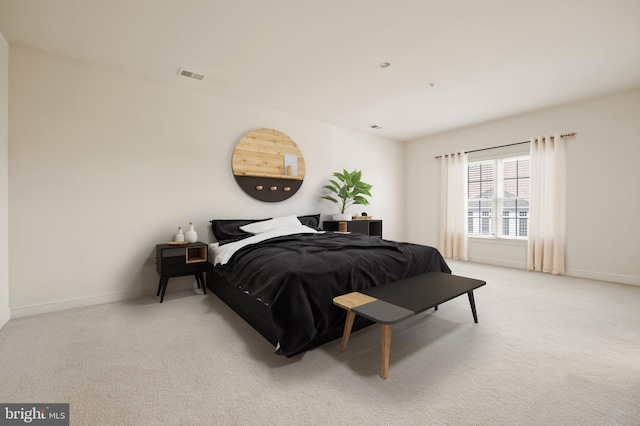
[{"x": 393, "y": 302}]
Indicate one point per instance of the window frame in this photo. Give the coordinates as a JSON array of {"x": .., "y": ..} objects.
[{"x": 498, "y": 219}]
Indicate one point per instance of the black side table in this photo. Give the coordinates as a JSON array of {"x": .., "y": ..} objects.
[
  {"x": 181, "y": 260},
  {"x": 371, "y": 227}
]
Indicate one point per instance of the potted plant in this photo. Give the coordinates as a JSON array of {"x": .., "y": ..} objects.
[{"x": 348, "y": 189}]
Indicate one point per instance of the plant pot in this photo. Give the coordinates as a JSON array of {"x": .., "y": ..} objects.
[{"x": 342, "y": 217}]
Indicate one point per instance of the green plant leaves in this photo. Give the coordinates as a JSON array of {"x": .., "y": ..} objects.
[{"x": 349, "y": 189}]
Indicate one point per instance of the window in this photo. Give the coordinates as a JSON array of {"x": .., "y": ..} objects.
[
  {"x": 498, "y": 197},
  {"x": 505, "y": 222},
  {"x": 481, "y": 184}
]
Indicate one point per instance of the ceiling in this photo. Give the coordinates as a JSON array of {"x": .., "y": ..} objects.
[{"x": 453, "y": 63}]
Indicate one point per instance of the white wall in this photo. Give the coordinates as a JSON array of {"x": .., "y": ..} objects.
[
  {"x": 603, "y": 201},
  {"x": 105, "y": 165},
  {"x": 4, "y": 182}
]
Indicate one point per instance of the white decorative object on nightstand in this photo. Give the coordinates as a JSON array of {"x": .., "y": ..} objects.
[{"x": 191, "y": 236}]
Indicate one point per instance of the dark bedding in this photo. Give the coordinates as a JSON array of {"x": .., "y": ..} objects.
[{"x": 298, "y": 276}]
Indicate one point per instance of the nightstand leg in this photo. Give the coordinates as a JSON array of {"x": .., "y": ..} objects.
[
  {"x": 204, "y": 284},
  {"x": 159, "y": 287},
  {"x": 197, "y": 279},
  {"x": 164, "y": 282}
]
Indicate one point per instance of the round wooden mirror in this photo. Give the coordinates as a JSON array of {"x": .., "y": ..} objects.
[{"x": 268, "y": 165}]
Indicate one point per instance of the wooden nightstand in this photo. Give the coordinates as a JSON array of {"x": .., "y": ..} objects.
[{"x": 181, "y": 260}]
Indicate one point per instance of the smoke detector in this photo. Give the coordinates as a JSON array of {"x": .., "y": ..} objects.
[{"x": 186, "y": 73}]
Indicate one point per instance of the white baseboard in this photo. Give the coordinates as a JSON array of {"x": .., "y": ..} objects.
[
  {"x": 44, "y": 308},
  {"x": 598, "y": 276},
  {"x": 603, "y": 276},
  {"x": 5, "y": 316},
  {"x": 25, "y": 311}
]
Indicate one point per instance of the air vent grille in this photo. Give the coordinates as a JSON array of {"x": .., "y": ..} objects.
[{"x": 190, "y": 74}]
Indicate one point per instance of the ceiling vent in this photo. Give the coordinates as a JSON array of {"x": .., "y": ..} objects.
[{"x": 190, "y": 74}]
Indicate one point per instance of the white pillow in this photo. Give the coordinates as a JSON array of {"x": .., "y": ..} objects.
[{"x": 268, "y": 225}]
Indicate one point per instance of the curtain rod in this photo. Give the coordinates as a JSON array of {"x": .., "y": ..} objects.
[{"x": 509, "y": 144}]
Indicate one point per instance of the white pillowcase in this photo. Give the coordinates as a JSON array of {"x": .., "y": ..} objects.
[{"x": 268, "y": 225}]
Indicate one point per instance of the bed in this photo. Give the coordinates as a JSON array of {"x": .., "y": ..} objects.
[{"x": 281, "y": 275}]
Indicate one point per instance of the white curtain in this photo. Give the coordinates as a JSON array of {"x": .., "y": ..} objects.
[
  {"x": 453, "y": 205},
  {"x": 547, "y": 205}
]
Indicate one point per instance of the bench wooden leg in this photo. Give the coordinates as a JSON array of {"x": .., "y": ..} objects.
[
  {"x": 386, "y": 348},
  {"x": 348, "y": 324},
  {"x": 472, "y": 302}
]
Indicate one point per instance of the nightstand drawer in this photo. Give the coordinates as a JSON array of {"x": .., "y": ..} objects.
[{"x": 174, "y": 252}]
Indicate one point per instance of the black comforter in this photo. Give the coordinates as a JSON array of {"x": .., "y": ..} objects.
[{"x": 298, "y": 276}]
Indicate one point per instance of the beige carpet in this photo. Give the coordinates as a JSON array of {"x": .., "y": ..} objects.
[{"x": 547, "y": 351}]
